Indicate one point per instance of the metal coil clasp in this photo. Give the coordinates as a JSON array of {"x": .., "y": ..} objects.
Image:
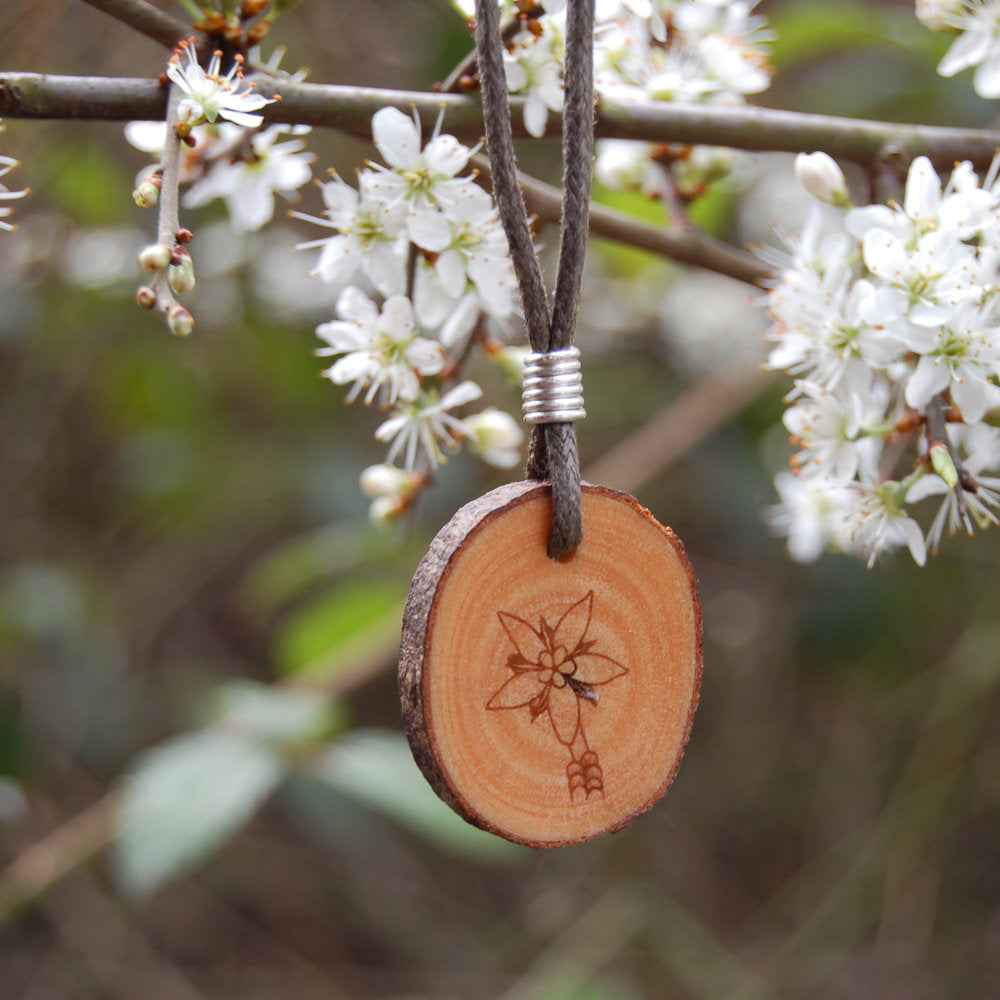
[{"x": 552, "y": 391}]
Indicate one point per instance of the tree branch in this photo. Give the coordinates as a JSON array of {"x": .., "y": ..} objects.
[
  {"x": 147, "y": 20},
  {"x": 35, "y": 95},
  {"x": 687, "y": 246}
]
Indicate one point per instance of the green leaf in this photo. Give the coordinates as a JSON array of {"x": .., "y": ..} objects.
[
  {"x": 183, "y": 800},
  {"x": 339, "y": 628},
  {"x": 290, "y": 568},
  {"x": 375, "y": 767},
  {"x": 277, "y": 716}
]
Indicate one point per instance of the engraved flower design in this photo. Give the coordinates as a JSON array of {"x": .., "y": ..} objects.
[{"x": 555, "y": 669}]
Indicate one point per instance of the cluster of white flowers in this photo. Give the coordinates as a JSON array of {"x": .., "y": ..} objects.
[
  {"x": 689, "y": 51},
  {"x": 427, "y": 243},
  {"x": 977, "y": 23},
  {"x": 7, "y": 164},
  {"x": 697, "y": 51},
  {"x": 890, "y": 325}
]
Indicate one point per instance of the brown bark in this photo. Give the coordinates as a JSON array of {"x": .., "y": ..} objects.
[{"x": 549, "y": 701}]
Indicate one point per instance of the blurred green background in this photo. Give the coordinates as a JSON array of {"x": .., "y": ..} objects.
[{"x": 196, "y": 615}]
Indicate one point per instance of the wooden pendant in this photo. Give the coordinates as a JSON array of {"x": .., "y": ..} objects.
[{"x": 550, "y": 701}]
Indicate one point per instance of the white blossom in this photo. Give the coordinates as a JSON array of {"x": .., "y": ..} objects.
[
  {"x": 419, "y": 430},
  {"x": 424, "y": 177},
  {"x": 209, "y": 94},
  {"x": 810, "y": 514},
  {"x": 369, "y": 237},
  {"x": 495, "y": 436},
  {"x": 248, "y": 179},
  {"x": 875, "y": 521},
  {"x": 383, "y": 352}
]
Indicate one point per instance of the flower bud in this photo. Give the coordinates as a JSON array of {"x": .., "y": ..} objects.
[
  {"x": 385, "y": 509},
  {"x": 819, "y": 174},
  {"x": 511, "y": 362},
  {"x": 385, "y": 481},
  {"x": 145, "y": 297},
  {"x": 179, "y": 321},
  {"x": 495, "y": 436},
  {"x": 181, "y": 275},
  {"x": 146, "y": 194},
  {"x": 155, "y": 257},
  {"x": 944, "y": 464}
]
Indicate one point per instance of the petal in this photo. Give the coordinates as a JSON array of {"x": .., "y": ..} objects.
[
  {"x": 986, "y": 81},
  {"x": 353, "y": 304},
  {"x": 397, "y": 318},
  {"x": 341, "y": 200},
  {"x": 596, "y": 668},
  {"x": 396, "y": 137},
  {"x": 974, "y": 396},
  {"x": 885, "y": 254},
  {"x": 460, "y": 321},
  {"x": 931, "y": 376},
  {"x": 573, "y": 625},
  {"x": 430, "y": 230},
  {"x": 517, "y": 75},
  {"x": 427, "y": 356},
  {"x": 342, "y": 336},
  {"x": 914, "y": 539},
  {"x": 386, "y": 268},
  {"x": 147, "y": 136},
  {"x": 518, "y": 690},
  {"x": 464, "y": 392},
  {"x": 923, "y": 190},
  {"x": 450, "y": 267},
  {"x": 332, "y": 264},
  {"x": 535, "y": 115},
  {"x": 564, "y": 711},
  {"x": 241, "y": 117},
  {"x": 526, "y": 640},
  {"x": 967, "y": 50},
  {"x": 446, "y": 155}
]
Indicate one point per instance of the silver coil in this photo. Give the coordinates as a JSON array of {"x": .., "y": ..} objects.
[{"x": 552, "y": 390}]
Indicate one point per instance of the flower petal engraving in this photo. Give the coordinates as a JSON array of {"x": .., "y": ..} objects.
[
  {"x": 527, "y": 641},
  {"x": 596, "y": 668},
  {"x": 564, "y": 711},
  {"x": 573, "y": 625},
  {"x": 517, "y": 691}
]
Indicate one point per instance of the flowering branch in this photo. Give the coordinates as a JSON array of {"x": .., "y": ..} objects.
[
  {"x": 167, "y": 258},
  {"x": 349, "y": 109}
]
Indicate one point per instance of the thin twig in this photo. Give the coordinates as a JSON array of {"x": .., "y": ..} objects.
[
  {"x": 41, "y": 866},
  {"x": 687, "y": 246},
  {"x": 148, "y": 20},
  {"x": 350, "y": 109}
]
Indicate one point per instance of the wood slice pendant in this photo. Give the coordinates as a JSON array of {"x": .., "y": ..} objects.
[{"x": 550, "y": 701}]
